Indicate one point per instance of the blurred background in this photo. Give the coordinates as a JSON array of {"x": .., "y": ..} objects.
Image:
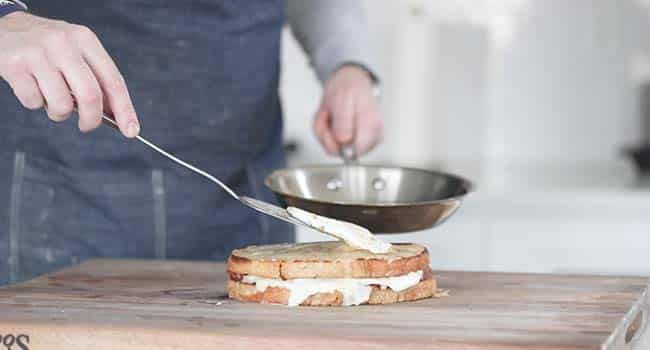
[{"x": 535, "y": 101}]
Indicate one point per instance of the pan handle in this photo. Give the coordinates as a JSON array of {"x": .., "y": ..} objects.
[{"x": 349, "y": 154}]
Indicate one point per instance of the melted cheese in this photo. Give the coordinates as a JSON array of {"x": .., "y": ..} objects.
[
  {"x": 355, "y": 290},
  {"x": 354, "y": 235}
]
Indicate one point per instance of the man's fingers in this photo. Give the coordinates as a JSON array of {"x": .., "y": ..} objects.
[
  {"x": 342, "y": 108},
  {"x": 26, "y": 90},
  {"x": 370, "y": 126},
  {"x": 111, "y": 81},
  {"x": 87, "y": 93},
  {"x": 69, "y": 66},
  {"x": 83, "y": 84},
  {"x": 53, "y": 87},
  {"x": 369, "y": 132},
  {"x": 322, "y": 130}
]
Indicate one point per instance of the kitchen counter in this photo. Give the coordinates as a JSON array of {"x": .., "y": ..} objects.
[{"x": 137, "y": 304}]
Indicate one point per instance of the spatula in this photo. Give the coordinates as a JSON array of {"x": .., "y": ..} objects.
[{"x": 256, "y": 204}]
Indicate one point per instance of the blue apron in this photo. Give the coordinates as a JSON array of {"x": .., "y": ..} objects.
[{"x": 203, "y": 75}]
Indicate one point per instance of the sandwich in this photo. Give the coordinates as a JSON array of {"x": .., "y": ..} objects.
[
  {"x": 356, "y": 269},
  {"x": 331, "y": 273}
]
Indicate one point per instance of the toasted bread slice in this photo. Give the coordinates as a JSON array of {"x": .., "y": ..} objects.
[
  {"x": 278, "y": 295},
  {"x": 333, "y": 259}
]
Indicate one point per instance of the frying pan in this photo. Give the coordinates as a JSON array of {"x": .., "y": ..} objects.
[{"x": 384, "y": 199}]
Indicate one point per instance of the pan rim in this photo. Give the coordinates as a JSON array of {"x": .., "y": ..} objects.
[{"x": 467, "y": 185}]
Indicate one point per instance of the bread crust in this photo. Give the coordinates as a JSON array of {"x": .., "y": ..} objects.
[
  {"x": 370, "y": 266},
  {"x": 278, "y": 295}
]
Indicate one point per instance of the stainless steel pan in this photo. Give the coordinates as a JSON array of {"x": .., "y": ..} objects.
[{"x": 384, "y": 199}]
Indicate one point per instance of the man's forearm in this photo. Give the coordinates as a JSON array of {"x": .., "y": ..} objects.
[{"x": 333, "y": 33}]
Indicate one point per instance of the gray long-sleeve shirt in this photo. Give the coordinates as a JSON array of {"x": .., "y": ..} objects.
[{"x": 332, "y": 32}]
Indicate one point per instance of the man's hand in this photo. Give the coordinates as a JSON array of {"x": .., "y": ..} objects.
[
  {"x": 56, "y": 64},
  {"x": 349, "y": 112}
]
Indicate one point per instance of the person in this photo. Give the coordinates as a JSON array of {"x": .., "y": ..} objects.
[{"x": 197, "y": 77}]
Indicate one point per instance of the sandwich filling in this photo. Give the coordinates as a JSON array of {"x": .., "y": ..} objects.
[
  {"x": 352, "y": 234},
  {"x": 355, "y": 291}
]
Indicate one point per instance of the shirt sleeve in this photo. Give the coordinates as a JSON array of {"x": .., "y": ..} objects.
[
  {"x": 11, "y": 6},
  {"x": 333, "y": 33}
]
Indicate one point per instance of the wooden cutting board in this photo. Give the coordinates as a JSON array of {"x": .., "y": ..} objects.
[{"x": 129, "y": 304}]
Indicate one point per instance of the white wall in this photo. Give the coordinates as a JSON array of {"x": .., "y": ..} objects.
[{"x": 533, "y": 100}]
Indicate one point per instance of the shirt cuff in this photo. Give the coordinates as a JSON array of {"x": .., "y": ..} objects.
[
  {"x": 373, "y": 76},
  {"x": 329, "y": 58},
  {"x": 11, "y": 6}
]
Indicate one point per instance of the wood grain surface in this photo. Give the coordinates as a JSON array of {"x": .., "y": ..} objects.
[{"x": 131, "y": 304}]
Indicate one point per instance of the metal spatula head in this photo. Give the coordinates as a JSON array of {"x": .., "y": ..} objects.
[{"x": 270, "y": 209}]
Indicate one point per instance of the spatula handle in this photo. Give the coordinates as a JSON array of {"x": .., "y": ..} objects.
[
  {"x": 109, "y": 120},
  {"x": 349, "y": 154}
]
